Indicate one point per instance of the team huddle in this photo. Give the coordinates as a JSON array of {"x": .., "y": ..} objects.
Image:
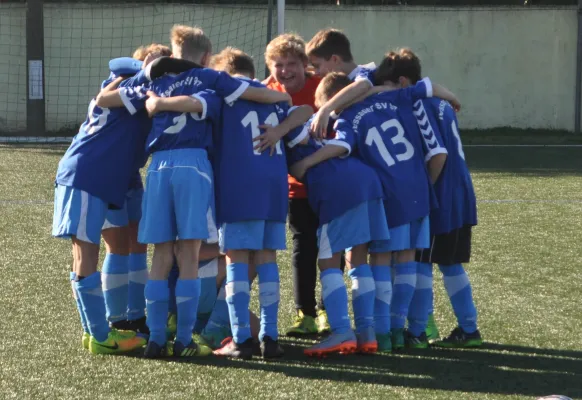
[{"x": 364, "y": 162}]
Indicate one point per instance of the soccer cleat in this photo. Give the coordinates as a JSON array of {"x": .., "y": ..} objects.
[
  {"x": 460, "y": 339},
  {"x": 367, "y": 341},
  {"x": 123, "y": 325},
  {"x": 154, "y": 350},
  {"x": 397, "y": 339},
  {"x": 193, "y": 349},
  {"x": 270, "y": 348},
  {"x": 414, "y": 342},
  {"x": 432, "y": 330},
  {"x": 342, "y": 343},
  {"x": 231, "y": 349},
  {"x": 117, "y": 342},
  {"x": 322, "y": 322},
  {"x": 172, "y": 326},
  {"x": 86, "y": 338},
  {"x": 214, "y": 338},
  {"x": 303, "y": 325},
  {"x": 384, "y": 343},
  {"x": 139, "y": 326}
]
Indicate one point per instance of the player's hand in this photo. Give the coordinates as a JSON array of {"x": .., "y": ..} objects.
[
  {"x": 319, "y": 124},
  {"x": 298, "y": 170},
  {"x": 152, "y": 103},
  {"x": 288, "y": 99},
  {"x": 456, "y": 105},
  {"x": 269, "y": 139}
]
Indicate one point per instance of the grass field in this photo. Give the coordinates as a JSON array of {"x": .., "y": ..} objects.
[{"x": 526, "y": 275}]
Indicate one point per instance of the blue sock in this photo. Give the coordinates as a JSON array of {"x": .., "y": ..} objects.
[
  {"x": 219, "y": 319},
  {"x": 138, "y": 277},
  {"x": 208, "y": 293},
  {"x": 269, "y": 297},
  {"x": 335, "y": 299},
  {"x": 187, "y": 296},
  {"x": 115, "y": 278},
  {"x": 402, "y": 292},
  {"x": 461, "y": 295},
  {"x": 383, "y": 298},
  {"x": 238, "y": 298},
  {"x": 91, "y": 294},
  {"x": 421, "y": 301},
  {"x": 157, "y": 295},
  {"x": 172, "y": 280},
  {"x": 363, "y": 295},
  {"x": 72, "y": 277}
]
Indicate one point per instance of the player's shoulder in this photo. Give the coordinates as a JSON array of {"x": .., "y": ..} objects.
[{"x": 439, "y": 108}]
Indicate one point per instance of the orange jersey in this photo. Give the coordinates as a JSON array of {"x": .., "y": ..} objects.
[{"x": 305, "y": 96}]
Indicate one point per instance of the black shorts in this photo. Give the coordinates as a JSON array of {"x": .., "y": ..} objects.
[{"x": 448, "y": 248}]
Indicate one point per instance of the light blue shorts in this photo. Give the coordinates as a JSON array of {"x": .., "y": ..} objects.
[
  {"x": 178, "y": 202},
  {"x": 414, "y": 235},
  {"x": 77, "y": 213},
  {"x": 131, "y": 211},
  {"x": 252, "y": 235},
  {"x": 362, "y": 224}
]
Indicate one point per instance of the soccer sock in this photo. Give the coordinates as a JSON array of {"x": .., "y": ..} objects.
[
  {"x": 115, "y": 278},
  {"x": 207, "y": 272},
  {"x": 461, "y": 295},
  {"x": 138, "y": 277},
  {"x": 238, "y": 298},
  {"x": 363, "y": 295},
  {"x": 219, "y": 318},
  {"x": 421, "y": 300},
  {"x": 172, "y": 280},
  {"x": 187, "y": 295},
  {"x": 403, "y": 290},
  {"x": 72, "y": 277},
  {"x": 157, "y": 295},
  {"x": 91, "y": 295},
  {"x": 335, "y": 298},
  {"x": 269, "y": 297},
  {"x": 383, "y": 299}
]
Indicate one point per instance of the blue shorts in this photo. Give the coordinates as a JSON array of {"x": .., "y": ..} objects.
[
  {"x": 77, "y": 213},
  {"x": 131, "y": 211},
  {"x": 362, "y": 224},
  {"x": 178, "y": 202},
  {"x": 414, "y": 235},
  {"x": 252, "y": 235}
]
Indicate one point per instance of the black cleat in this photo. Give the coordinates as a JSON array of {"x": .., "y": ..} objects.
[
  {"x": 154, "y": 350},
  {"x": 139, "y": 326},
  {"x": 270, "y": 348}
]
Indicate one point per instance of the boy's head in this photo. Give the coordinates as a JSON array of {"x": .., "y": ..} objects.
[
  {"x": 147, "y": 54},
  {"x": 286, "y": 59},
  {"x": 190, "y": 43},
  {"x": 329, "y": 86},
  {"x": 401, "y": 67},
  {"x": 328, "y": 50},
  {"x": 234, "y": 62}
]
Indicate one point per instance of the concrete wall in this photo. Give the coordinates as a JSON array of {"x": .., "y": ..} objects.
[{"x": 510, "y": 67}]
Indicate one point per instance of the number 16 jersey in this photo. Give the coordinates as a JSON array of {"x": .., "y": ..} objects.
[
  {"x": 249, "y": 185},
  {"x": 382, "y": 131}
]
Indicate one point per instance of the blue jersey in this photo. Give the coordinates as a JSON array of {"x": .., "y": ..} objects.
[
  {"x": 249, "y": 185},
  {"x": 363, "y": 72},
  {"x": 174, "y": 130},
  {"x": 335, "y": 185},
  {"x": 103, "y": 156},
  {"x": 454, "y": 188},
  {"x": 382, "y": 130}
]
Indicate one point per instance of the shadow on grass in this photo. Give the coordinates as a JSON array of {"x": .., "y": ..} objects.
[{"x": 494, "y": 368}]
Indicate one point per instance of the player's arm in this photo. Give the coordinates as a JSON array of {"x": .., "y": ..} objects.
[
  {"x": 265, "y": 96},
  {"x": 340, "y": 101},
  {"x": 169, "y": 65},
  {"x": 181, "y": 104},
  {"x": 435, "y": 166},
  {"x": 299, "y": 169},
  {"x": 109, "y": 96},
  {"x": 273, "y": 134}
]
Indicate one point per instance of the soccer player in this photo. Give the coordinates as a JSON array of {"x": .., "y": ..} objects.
[
  {"x": 178, "y": 202},
  {"x": 286, "y": 59},
  {"x": 93, "y": 176},
  {"x": 346, "y": 195},
  {"x": 383, "y": 130},
  {"x": 452, "y": 222}
]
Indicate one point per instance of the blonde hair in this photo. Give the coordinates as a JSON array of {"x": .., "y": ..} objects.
[
  {"x": 233, "y": 61},
  {"x": 189, "y": 42},
  {"x": 287, "y": 44}
]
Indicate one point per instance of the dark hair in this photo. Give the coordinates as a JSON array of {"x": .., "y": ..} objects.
[
  {"x": 396, "y": 64},
  {"x": 328, "y": 42}
]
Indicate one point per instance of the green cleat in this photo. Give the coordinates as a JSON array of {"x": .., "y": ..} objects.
[
  {"x": 397, "y": 339},
  {"x": 414, "y": 342},
  {"x": 193, "y": 349},
  {"x": 384, "y": 343},
  {"x": 303, "y": 325},
  {"x": 322, "y": 322},
  {"x": 432, "y": 330},
  {"x": 117, "y": 342},
  {"x": 172, "y": 326},
  {"x": 460, "y": 339},
  {"x": 85, "y": 340}
]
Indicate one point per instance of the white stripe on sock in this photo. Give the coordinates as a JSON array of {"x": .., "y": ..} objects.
[
  {"x": 454, "y": 284},
  {"x": 268, "y": 293}
]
